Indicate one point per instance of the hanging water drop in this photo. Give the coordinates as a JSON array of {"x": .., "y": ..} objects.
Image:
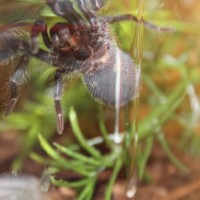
[
  {"x": 131, "y": 188},
  {"x": 45, "y": 181},
  {"x": 15, "y": 172}
]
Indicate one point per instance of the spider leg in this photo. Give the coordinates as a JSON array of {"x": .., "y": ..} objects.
[
  {"x": 64, "y": 9},
  {"x": 84, "y": 6},
  {"x": 39, "y": 27},
  {"x": 10, "y": 44},
  {"x": 90, "y": 7},
  {"x": 54, "y": 5},
  {"x": 58, "y": 88},
  {"x": 118, "y": 18},
  {"x": 14, "y": 81},
  {"x": 5, "y": 55},
  {"x": 97, "y": 4},
  {"x": 57, "y": 98},
  {"x": 44, "y": 56}
]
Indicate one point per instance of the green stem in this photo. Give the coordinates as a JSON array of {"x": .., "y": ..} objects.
[
  {"x": 163, "y": 111},
  {"x": 63, "y": 162},
  {"x": 169, "y": 153},
  {"x": 28, "y": 143},
  {"x": 152, "y": 86},
  {"x": 105, "y": 134},
  {"x": 78, "y": 156},
  {"x": 79, "y": 136},
  {"x": 115, "y": 173},
  {"x": 74, "y": 184},
  {"x": 87, "y": 191},
  {"x": 145, "y": 157}
]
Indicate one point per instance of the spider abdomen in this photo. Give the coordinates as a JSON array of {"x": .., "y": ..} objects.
[{"x": 115, "y": 79}]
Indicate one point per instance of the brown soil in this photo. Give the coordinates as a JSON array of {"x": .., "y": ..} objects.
[{"x": 168, "y": 183}]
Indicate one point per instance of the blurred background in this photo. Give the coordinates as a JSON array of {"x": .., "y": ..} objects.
[{"x": 168, "y": 113}]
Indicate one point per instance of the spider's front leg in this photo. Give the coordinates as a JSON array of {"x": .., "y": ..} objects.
[
  {"x": 64, "y": 9},
  {"x": 5, "y": 55},
  {"x": 39, "y": 27},
  {"x": 128, "y": 17},
  {"x": 58, "y": 89},
  {"x": 15, "y": 80}
]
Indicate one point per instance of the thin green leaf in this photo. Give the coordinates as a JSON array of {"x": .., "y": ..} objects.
[
  {"x": 79, "y": 136},
  {"x": 145, "y": 156},
  {"x": 37, "y": 158},
  {"x": 73, "y": 184},
  {"x": 162, "y": 112},
  {"x": 112, "y": 180},
  {"x": 104, "y": 131},
  {"x": 170, "y": 154},
  {"x": 27, "y": 144},
  {"x": 87, "y": 191},
  {"x": 77, "y": 156},
  {"x": 63, "y": 162}
]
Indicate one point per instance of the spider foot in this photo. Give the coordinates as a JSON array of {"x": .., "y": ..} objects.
[{"x": 10, "y": 106}]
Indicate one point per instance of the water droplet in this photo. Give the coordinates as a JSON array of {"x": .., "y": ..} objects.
[
  {"x": 45, "y": 181},
  {"x": 117, "y": 139},
  {"x": 131, "y": 192},
  {"x": 132, "y": 187},
  {"x": 15, "y": 172}
]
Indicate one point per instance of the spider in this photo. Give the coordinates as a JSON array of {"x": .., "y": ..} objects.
[{"x": 82, "y": 44}]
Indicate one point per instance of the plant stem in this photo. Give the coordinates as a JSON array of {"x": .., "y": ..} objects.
[
  {"x": 169, "y": 153},
  {"x": 79, "y": 136},
  {"x": 87, "y": 191},
  {"x": 116, "y": 170},
  {"x": 78, "y": 156}
]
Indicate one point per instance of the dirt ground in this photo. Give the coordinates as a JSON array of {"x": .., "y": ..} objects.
[{"x": 168, "y": 183}]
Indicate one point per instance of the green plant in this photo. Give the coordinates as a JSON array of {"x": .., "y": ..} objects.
[{"x": 84, "y": 157}]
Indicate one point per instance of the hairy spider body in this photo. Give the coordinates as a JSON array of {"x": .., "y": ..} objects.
[
  {"x": 83, "y": 44},
  {"x": 90, "y": 50},
  {"x": 79, "y": 48}
]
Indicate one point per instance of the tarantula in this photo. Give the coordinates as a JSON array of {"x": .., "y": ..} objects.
[{"x": 81, "y": 44}]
